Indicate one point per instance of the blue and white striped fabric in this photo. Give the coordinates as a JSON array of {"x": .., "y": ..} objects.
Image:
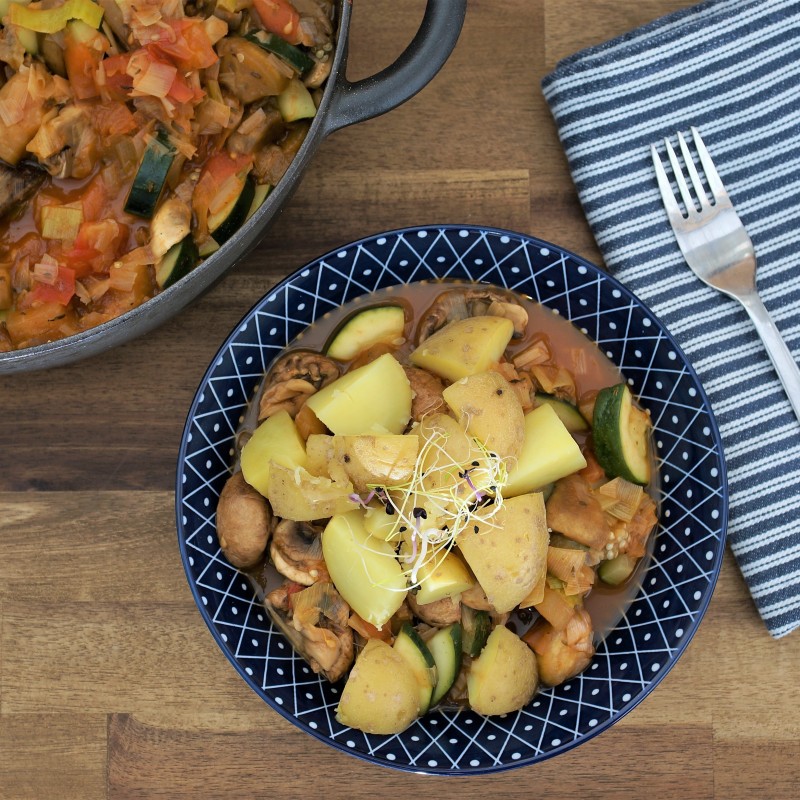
[{"x": 731, "y": 68}]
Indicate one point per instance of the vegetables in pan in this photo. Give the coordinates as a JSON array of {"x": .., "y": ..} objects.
[
  {"x": 450, "y": 547},
  {"x": 136, "y": 138}
]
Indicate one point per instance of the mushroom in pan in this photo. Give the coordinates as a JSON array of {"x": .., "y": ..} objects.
[{"x": 17, "y": 185}]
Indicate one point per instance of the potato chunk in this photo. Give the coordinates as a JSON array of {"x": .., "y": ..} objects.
[
  {"x": 490, "y": 410},
  {"x": 372, "y": 399},
  {"x": 381, "y": 694},
  {"x": 504, "y": 677},
  {"x": 464, "y": 347},
  {"x": 275, "y": 440},
  {"x": 508, "y": 553},
  {"x": 386, "y": 460},
  {"x": 364, "y": 569},
  {"x": 548, "y": 453},
  {"x": 298, "y": 495}
]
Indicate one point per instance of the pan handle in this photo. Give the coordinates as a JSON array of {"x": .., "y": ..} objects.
[{"x": 414, "y": 69}]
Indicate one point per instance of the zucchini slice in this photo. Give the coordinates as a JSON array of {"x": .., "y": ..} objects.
[
  {"x": 295, "y": 102},
  {"x": 569, "y": 414},
  {"x": 178, "y": 261},
  {"x": 229, "y": 219},
  {"x": 616, "y": 570},
  {"x": 260, "y": 194},
  {"x": 293, "y": 56},
  {"x": 365, "y": 329},
  {"x": 151, "y": 176},
  {"x": 416, "y": 653},
  {"x": 445, "y": 647},
  {"x": 621, "y": 435},
  {"x": 476, "y": 627}
]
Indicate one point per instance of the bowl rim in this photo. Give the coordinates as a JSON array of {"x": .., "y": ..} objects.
[{"x": 689, "y": 631}]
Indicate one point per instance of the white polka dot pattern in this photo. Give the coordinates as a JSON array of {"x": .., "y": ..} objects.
[{"x": 683, "y": 567}]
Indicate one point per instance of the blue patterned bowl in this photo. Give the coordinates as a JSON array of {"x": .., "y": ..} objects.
[{"x": 682, "y": 570}]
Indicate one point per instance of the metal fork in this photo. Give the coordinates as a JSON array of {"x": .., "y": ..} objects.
[{"x": 716, "y": 246}]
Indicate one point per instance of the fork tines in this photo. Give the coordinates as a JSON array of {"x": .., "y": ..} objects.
[{"x": 712, "y": 177}]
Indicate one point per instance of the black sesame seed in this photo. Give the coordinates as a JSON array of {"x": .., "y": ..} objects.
[
  {"x": 475, "y": 464},
  {"x": 475, "y": 528},
  {"x": 346, "y": 458}
]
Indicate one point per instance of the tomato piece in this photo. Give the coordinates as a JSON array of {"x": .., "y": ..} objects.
[
  {"x": 118, "y": 83},
  {"x": 279, "y": 17},
  {"x": 187, "y": 45},
  {"x": 60, "y": 291},
  {"x": 180, "y": 91},
  {"x": 93, "y": 199},
  {"x": 81, "y": 65}
]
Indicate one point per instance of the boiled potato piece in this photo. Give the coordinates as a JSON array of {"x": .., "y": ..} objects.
[
  {"x": 381, "y": 694},
  {"x": 548, "y": 453},
  {"x": 490, "y": 410},
  {"x": 509, "y": 551},
  {"x": 464, "y": 347},
  {"x": 319, "y": 452},
  {"x": 275, "y": 440},
  {"x": 448, "y": 578},
  {"x": 294, "y": 493},
  {"x": 363, "y": 569},
  {"x": 372, "y": 399},
  {"x": 243, "y": 520},
  {"x": 386, "y": 460},
  {"x": 504, "y": 676},
  {"x": 382, "y": 525}
]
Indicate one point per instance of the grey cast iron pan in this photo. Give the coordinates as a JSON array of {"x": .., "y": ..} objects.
[{"x": 344, "y": 103}]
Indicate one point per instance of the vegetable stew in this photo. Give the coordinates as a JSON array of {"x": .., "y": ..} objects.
[
  {"x": 443, "y": 492},
  {"x": 136, "y": 137}
]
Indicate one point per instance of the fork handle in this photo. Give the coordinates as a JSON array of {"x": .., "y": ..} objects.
[{"x": 779, "y": 353}]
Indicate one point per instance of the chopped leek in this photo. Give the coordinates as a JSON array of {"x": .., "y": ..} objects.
[
  {"x": 61, "y": 222},
  {"x": 52, "y": 20}
]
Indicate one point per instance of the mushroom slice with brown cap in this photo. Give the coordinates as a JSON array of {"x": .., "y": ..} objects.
[
  {"x": 292, "y": 379},
  {"x": 296, "y": 552},
  {"x": 315, "y": 622},
  {"x": 439, "y": 613},
  {"x": 455, "y": 304}
]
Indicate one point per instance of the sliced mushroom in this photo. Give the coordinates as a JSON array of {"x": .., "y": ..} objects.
[
  {"x": 293, "y": 379},
  {"x": 249, "y": 72},
  {"x": 171, "y": 223},
  {"x": 441, "y": 612},
  {"x": 462, "y": 303},
  {"x": 315, "y": 622},
  {"x": 17, "y": 185},
  {"x": 296, "y": 552}
]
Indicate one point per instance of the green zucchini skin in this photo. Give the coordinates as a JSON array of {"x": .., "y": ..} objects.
[
  {"x": 151, "y": 176},
  {"x": 292, "y": 55},
  {"x": 621, "y": 449},
  {"x": 476, "y": 627},
  {"x": 364, "y": 329},
  {"x": 237, "y": 214},
  {"x": 569, "y": 414},
  {"x": 177, "y": 262},
  {"x": 410, "y": 646},
  {"x": 445, "y": 647}
]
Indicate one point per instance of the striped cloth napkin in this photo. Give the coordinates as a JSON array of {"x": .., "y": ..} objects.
[{"x": 731, "y": 68}]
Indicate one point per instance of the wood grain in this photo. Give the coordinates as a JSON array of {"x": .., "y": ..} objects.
[{"x": 111, "y": 686}]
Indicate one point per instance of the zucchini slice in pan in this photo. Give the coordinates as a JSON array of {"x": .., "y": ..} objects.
[
  {"x": 151, "y": 176},
  {"x": 225, "y": 222},
  {"x": 178, "y": 261}
]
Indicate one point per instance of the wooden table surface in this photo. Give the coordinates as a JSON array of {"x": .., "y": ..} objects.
[{"x": 110, "y": 683}]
